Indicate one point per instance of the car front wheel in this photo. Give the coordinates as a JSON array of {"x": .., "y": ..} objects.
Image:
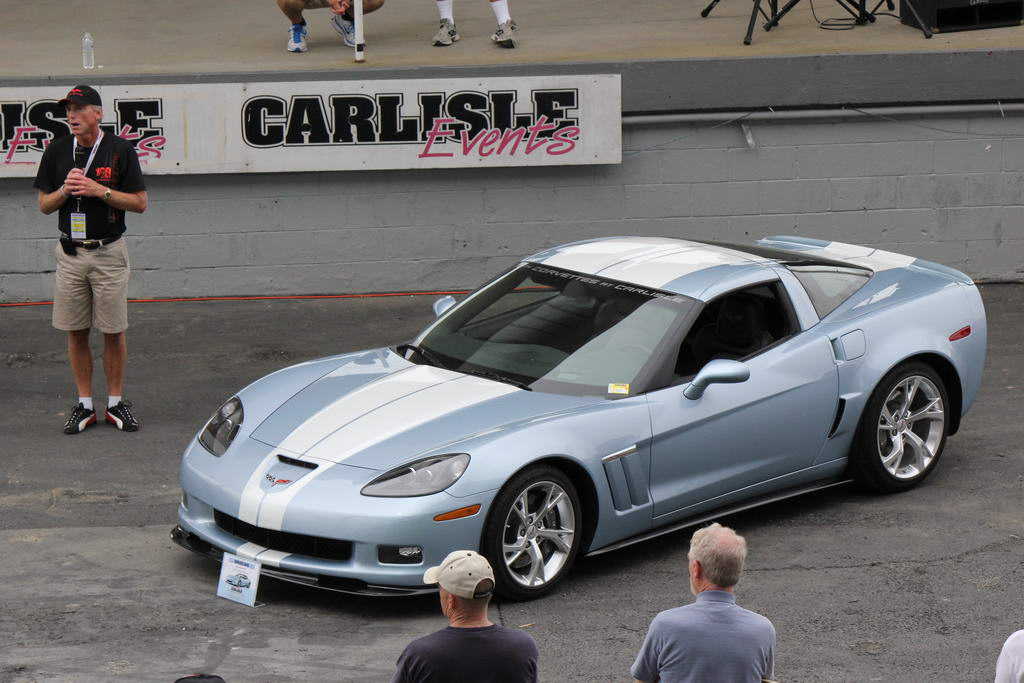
[
  {"x": 903, "y": 430},
  {"x": 532, "y": 534}
]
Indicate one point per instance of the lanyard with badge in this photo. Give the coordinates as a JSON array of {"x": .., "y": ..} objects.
[{"x": 78, "y": 216}]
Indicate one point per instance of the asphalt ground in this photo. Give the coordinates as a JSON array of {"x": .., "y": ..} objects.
[{"x": 921, "y": 586}]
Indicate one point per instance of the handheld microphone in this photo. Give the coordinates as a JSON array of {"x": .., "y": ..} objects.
[{"x": 79, "y": 157}]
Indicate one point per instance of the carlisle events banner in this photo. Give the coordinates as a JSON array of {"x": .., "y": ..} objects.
[{"x": 335, "y": 125}]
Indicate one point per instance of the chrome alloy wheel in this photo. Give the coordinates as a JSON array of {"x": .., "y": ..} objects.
[
  {"x": 537, "y": 539},
  {"x": 910, "y": 427}
]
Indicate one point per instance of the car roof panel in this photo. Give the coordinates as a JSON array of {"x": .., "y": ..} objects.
[
  {"x": 593, "y": 256},
  {"x": 672, "y": 265}
]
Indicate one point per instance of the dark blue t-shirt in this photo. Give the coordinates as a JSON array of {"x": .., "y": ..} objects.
[{"x": 487, "y": 654}]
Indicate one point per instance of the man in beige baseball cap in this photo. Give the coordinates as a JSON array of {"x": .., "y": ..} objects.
[
  {"x": 471, "y": 648},
  {"x": 463, "y": 573}
]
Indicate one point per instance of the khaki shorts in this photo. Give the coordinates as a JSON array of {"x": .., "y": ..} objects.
[{"x": 91, "y": 289}]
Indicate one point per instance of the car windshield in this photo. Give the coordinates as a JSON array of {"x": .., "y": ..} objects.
[{"x": 558, "y": 331}]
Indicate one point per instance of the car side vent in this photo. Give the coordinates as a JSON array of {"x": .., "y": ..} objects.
[
  {"x": 298, "y": 463},
  {"x": 840, "y": 409},
  {"x": 837, "y": 349},
  {"x": 625, "y": 478}
]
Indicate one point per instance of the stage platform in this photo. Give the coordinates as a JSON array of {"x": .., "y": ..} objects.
[{"x": 671, "y": 59}]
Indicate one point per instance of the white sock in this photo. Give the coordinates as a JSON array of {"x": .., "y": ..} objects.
[
  {"x": 113, "y": 401},
  {"x": 86, "y": 402},
  {"x": 500, "y": 8},
  {"x": 444, "y": 8}
]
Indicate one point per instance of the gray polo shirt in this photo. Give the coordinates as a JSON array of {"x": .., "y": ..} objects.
[{"x": 711, "y": 640}]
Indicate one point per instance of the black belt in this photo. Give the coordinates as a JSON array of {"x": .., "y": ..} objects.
[{"x": 90, "y": 244}]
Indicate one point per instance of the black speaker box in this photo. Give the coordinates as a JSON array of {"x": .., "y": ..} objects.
[{"x": 943, "y": 16}]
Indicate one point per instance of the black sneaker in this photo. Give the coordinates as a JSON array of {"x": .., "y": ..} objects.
[
  {"x": 81, "y": 417},
  {"x": 121, "y": 417}
]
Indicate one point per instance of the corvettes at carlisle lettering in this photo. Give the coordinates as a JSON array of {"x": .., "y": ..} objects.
[{"x": 464, "y": 123}]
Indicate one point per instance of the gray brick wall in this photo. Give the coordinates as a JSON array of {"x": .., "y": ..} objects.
[{"x": 949, "y": 190}]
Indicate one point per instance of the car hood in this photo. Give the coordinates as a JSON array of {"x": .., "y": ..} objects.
[{"x": 377, "y": 420}]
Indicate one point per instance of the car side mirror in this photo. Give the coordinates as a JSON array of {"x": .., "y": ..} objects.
[
  {"x": 442, "y": 305},
  {"x": 716, "y": 372}
]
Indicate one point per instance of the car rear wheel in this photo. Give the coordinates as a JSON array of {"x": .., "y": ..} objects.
[
  {"x": 903, "y": 430},
  {"x": 533, "y": 532}
]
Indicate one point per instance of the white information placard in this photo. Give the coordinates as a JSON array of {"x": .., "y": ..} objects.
[
  {"x": 239, "y": 579},
  {"x": 336, "y": 125}
]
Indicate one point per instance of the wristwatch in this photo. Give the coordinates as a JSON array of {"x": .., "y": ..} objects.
[{"x": 106, "y": 196}]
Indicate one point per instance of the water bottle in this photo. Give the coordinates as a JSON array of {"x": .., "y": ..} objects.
[{"x": 88, "y": 58}]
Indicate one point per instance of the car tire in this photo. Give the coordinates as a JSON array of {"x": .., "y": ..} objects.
[
  {"x": 899, "y": 441},
  {"x": 533, "y": 532}
]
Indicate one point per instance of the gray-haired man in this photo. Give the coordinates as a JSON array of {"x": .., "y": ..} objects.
[
  {"x": 91, "y": 180},
  {"x": 471, "y": 648},
  {"x": 712, "y": 639}
]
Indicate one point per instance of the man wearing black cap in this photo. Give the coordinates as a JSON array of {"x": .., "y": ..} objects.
[
  {"x": 92, "y": 179},
  {"x": 471, "y": 648}
]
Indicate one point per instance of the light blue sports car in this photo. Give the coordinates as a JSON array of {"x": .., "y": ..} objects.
[{"x": 595, "y": 395}]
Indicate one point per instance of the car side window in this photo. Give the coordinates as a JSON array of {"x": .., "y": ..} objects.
[
  {"x": 829, "y": 286},
  {"x": 736, "y": 326}
]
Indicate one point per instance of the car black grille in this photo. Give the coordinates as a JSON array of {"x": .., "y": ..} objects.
[{"x": 286, "y": 542}]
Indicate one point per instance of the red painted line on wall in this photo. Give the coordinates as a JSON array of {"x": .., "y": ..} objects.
[{"x": 256, "y": 298}]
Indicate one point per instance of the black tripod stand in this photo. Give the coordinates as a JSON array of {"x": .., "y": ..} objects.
[
  {"x": 857, "y": 10},
  {"x": 772, "y": 4}
]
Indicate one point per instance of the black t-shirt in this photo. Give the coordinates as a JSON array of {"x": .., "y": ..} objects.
[
  {"x": 488, "y": 654},
  {"x": 116, "y": 166}
]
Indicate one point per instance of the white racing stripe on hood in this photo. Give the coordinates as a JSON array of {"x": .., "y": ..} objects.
[
  {"x": 322, "y": 423},
  {"x": 252, "y": 494},
  {"x": 361, "y": 401},
  {"x": 380, "y": 424}
]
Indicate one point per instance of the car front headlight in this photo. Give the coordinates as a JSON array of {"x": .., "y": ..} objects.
[
  {"x": 220, "y": 431},
  {"x": 420, "y": 478}
]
